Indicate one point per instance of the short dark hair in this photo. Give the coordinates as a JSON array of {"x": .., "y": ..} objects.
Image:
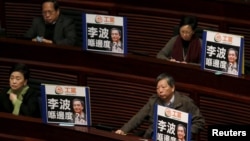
[
  {"x": 77, "y": 99},
  {"x": 184, "y": 128},
  {"x": 56, "y": 5},
  {"x": 169, "y": 78},
  {"x": 24, "y": 69},
  {"x": 114, "y": 28},
  {"x": 235, "y": 51},
  {"x": 189, "y": 20}
]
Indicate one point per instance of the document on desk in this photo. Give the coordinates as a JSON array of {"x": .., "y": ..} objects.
[{"x": 65, "y": 105}]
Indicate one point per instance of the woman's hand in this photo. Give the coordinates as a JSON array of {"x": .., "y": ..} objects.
[{"x": 13, "y": 97}]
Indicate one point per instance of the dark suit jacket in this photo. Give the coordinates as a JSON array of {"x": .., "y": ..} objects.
[
  {"x": 181, "y": 102},
  {"x": 29, "y": 107},
  {"x": 64, "y": 34}
]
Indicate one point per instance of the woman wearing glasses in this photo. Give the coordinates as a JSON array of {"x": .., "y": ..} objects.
[{"x": 184, "y": 47}]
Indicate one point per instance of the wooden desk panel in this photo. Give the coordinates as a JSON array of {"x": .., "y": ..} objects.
[
  {"x": 26, "y": 128},
  {"x": 142, "y": 16},
  {"x": 124, "y": 83},
  {"x": 68, "y": 58}
]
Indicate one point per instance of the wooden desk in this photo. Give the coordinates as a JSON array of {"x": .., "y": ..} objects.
[
  {"x": 124, "y": 83},
  {"x": 142, "y": 15},
  {"x": 69, "y": 58},
  {"x": 26, "y": 128}
]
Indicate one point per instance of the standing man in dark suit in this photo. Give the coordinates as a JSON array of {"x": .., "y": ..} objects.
[{"x": 52, "y": 27}]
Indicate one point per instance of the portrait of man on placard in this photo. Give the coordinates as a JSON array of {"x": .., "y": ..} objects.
[
  {"x": 116, "y": 40},
  {"x": 181, "y": 132},
  {"x": 79, "y": 116},
  {"x": 232, "y": 61}
]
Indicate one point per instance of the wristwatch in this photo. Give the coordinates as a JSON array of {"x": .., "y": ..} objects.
[{"x": 39, "y": 39}]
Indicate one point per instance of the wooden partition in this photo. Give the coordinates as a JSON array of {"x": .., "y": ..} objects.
[
  {"x": 32, "y": 129},
  {"x": 120, "y": 85}
]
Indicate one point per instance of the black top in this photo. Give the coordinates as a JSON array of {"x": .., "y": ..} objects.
[
  {"x": 49, "y": 31},
  {"x": 30, "y": 105}
]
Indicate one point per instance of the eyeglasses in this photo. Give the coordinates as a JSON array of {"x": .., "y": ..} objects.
[
  {"x": 186, "y": 32},
  {"x": 48, "y": 12}
]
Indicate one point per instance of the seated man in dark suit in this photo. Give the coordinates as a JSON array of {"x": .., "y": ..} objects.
[
  {"x": 166, "y": 95},
  {"x": 52, "y": 27}
]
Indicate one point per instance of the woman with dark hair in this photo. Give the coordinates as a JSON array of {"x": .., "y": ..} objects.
[
  {"x": 19, "y": 98},
  {"x": 184, "y": 47}
]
